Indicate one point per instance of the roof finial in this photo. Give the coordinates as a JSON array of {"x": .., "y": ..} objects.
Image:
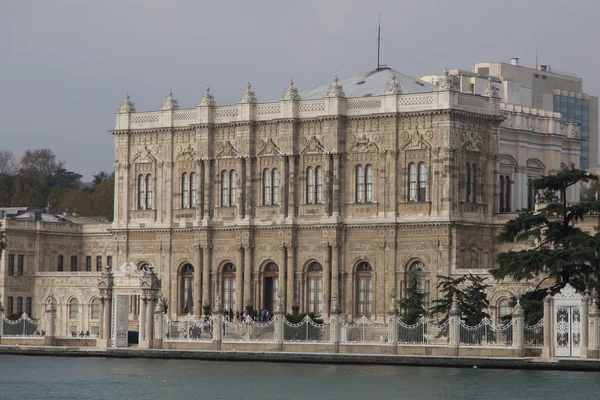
[
  {"x": 126, "y": 106},
  {"x": 393, "y": 87},
  {"x": 335, "y": 89},
  {"x": 291, "y": 93},
  {"x": 170, "y": 103},
  {"x": 207, "y": 99},
  {"x": 248, "y": 96}
]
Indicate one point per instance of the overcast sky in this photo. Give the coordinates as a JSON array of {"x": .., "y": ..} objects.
[{"x": 65, "y": 65}]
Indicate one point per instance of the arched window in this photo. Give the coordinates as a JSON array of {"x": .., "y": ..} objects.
[
  {"x": 95, "y": 308},
  {"x": 365, "y": 288},
  {"x": 468, "y": 183},
  {"x": 61, "y": 263},
  {"x": 148, "y": 192},
  {"x": 369, "y": 182},
  {"x": 275, "y": 190},
  {"x": 73, "y": 308},
  {"x": 502, "y": 195},
  {"x": 360, "y": 184},
  {"x": 319, "y": 184},
  {"x": 504, "y": 310},
  {"x": 187, "y": 289},
  {"x": 28, "y": 306},
  {"x": 229, "y": 271},
  {"x": 224, "y": 189},
  {"x": 310, "y": 185},
  {"x": 507, "y": 193},
  {"x": 418, "y": 268},
  {"x": 474, "y": 183},
  {"x": 19, "y": 305},
  {"x": 315, "y": 288},
  {"x": 267, "y": 187},
  {"x": 9, "y": 306},
  {"x": 233, "y": 188},
  {"x": 141, "y": 194},
  {"x": 412, "y": 182},
  {"x": 185, "y": 191},
  {"x": 193, "y": 190},
  {"x": 422, "y": 195}
]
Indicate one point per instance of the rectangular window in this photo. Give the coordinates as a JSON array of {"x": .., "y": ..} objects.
[
  {"x": 73, "y": 263},
  {"x": 11, "y": 264},
  {"x": 20, "y": 262},
  {"x": 98, "y": 263},
  {"x": 19, "y": 305},
  {"x": 229, "y": 293},
  {"x": 60, "y": 263},
  {"x": 9, "y": 306},
  {"x": 28, "y": 306},
  {"x": 109, "y": 261},
  {"x": 365, "y": 295},
  {"x": 315, "y": 295},
  {"x": 88, "y": 263}
]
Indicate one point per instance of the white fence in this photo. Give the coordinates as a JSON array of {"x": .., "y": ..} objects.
[
  {"x": 307, "y": 331},
  {"x": 22, "y": 327},
  {"x": 249, "y": 331},
  {"x": 364, "y": 331},
  {"x": 189, "y": 329},
  {"x": 486, "y": 334},
  {"x": 534, "y": 335},
  {"x": 423, "y": 332}
]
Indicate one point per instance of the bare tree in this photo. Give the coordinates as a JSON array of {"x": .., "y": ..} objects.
[
  {"x": 42, "y": 161},
  {"x": 8, "y": 163}
]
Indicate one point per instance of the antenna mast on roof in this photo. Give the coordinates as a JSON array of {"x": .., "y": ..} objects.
[{"x": 378, "y": 40}]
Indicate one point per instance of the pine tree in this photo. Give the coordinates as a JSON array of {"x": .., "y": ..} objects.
[
  {"x": 562, "y": 251},
  {"x": 470, "y": 294},
  {"x": 412, "y": 306}
]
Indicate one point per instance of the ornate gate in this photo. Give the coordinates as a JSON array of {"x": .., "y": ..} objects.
[{"x": 567, "y": 322}]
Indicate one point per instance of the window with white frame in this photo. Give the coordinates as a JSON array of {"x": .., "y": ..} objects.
[
  {"x": 315, "y": 288},
  {"x": 365, "y": 288}
]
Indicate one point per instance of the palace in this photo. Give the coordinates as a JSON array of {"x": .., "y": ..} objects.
[{"x": 339, "y": 194}]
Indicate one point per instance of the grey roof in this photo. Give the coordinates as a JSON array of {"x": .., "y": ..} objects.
[{"x": 373, "y": 84}]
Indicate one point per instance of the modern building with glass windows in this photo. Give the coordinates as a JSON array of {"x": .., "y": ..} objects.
[{"x": 338, "y": 196}]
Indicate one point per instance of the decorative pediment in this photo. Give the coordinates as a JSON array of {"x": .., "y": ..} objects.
[
  {"x": 415, "y": 140},
  {"x": 227, "y": 150},
  {"x": 364, "y": 144},
  {"x": 568, "y": 292},
  {"x": 269, "y": 148},
  {"x": 187, "y": 154},
  {"x": 471, "y": 141},
  {"x": 145, "y": 156},
  {"x": 313, "y": 146},
  {"x": 127, "y": 269}
]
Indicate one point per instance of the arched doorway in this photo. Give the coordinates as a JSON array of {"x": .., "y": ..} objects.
[
  {"x": 314, "y": 288},
  {"x": 271, "y": 285},
  {"x": 187, "y": 289},
  {"x": 229, "y": 287}
]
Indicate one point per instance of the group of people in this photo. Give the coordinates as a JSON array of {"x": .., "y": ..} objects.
[{"x": 262, "y": 315}]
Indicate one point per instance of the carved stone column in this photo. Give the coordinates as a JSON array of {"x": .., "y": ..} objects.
[
  {"x": 247, "y": 194},
  {"x": 547, "y": 350},
  {"x": 290, "y": 295},
  {"x": 150, "y": 285},
  {"x": 335, "y": 311},
  {"x": 326, "y": 280},
  {"x": 594, "y": 331},
  {"x": 239, "y": 198},
  {"x": 239, "y": 280},
  {"x": 291, "y": 212},
  {"x": 335, "y": 270},
  {"x": 283, "y": 192},
  {"x": 126, "y": 189},
  {"x": 585, "y": 302},
  {"x": 283, "y": 276},
  {"x": 117, "y": 199},
  {"x": 247, "y": 277},
  {"x": 51, "y": 322},
  {"x": 336, "y": 184},
  {"x": 518, "y": 318},
  {"x": 197, "y": 282},
  {"x": 198, "y": 191},
  {"x": 105, "y": 286},
  {"x": 393, "y": 322},
  {"x": 327, "y": 190},
  {"x": 217, "y": 323},
  {"x": 454, "y": 327},
  {"x": 207, "y": 183},
  {"x": 206, "y": 274}
]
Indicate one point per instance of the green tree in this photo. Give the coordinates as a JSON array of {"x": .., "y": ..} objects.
[
  {"x": 412, "y": 304},
  {"x": 562, "y": 252},
  {"x": 103, "y": 198},
  {"x": 470, "y": 294},
  {"x": 2, "y": 246}
]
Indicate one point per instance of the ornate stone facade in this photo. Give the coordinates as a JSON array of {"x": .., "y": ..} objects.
[{"x": 317, "y": 199}]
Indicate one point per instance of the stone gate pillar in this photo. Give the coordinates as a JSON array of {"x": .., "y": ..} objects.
[
  {"x": 159, "y": 325},
  {"x": 279, "y": 311},
  {"x": 518, "y": 328},
  {"x": 548, "y": 348},
  {"x": 393, "y": 323},
  {"x": 454, "y": 327},
  {"x": 1, "y": 319},
  {"x": 334, "y": 318},
  {"x": 584, "y": 326},
  {"x": 217, "y": 323},
  {"x": 50, "y": 339},
  {"x": 594, "y": 333},
  {"x": 105, "y": 286},
  {"x": 150, "y": 285}
]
